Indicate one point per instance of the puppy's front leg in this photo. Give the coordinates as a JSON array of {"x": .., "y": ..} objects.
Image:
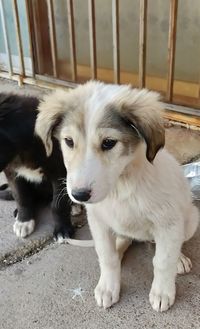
[
  {"x": 168, "y": 247},
  {"x": 108, "y": 288},
  {"x": 61, "y": 209}
]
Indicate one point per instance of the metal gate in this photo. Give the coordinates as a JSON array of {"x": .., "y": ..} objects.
[{"x": 45, "y": 19}]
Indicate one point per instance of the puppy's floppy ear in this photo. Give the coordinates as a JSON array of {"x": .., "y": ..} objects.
[
  {"x": 143, "y": 111},
  {"x": 49, "y": 118}
]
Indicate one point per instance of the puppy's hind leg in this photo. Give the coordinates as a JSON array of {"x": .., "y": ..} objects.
[
  {"x": 184, "y": 264},
  {"x": 192, "y": 222},
  {"x": 122, "y": 245}
]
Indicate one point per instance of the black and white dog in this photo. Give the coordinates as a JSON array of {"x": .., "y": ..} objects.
[{"x": 34, "y": 178}]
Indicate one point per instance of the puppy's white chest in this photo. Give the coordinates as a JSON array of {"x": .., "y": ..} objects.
[
  {"x": 32, "y": 175},
  {"x": 126, "y": 219}
]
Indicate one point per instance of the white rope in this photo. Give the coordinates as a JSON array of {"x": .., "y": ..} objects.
[
  {"x": 80, "y": 243},
  {"x": 76, "y": 242}
]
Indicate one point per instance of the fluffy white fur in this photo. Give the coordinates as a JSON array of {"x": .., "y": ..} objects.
[
  {"x": 130, "y": 196},
  {"x": 152, "y": 202}
]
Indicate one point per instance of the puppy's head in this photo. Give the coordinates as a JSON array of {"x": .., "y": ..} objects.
[{"x": 101, "y": 128}]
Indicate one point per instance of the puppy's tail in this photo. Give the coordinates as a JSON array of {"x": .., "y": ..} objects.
[
  {"x": 192, "y": 222},
  {"x": 5, "y": 192}
]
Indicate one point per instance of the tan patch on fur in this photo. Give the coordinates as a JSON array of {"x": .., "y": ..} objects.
[
  {"x": 144, "y": 112},
  {"x": 74, "y": 117},
  {"x": 50, "y": 110}
]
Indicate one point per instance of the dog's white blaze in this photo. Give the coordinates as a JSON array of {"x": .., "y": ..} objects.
[
  {"x": 93, "y": 175},
  {"x": 32, "y": 175}
]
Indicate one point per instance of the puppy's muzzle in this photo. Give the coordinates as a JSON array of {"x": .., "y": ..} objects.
[{"x": 81, "y": 195}]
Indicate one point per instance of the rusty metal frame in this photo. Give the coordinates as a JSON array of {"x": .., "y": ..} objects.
[
  {"x": 116, "y": 45},
  {"x": 19, "y": 38},
  {"x": 53, "y": 79},
  {"x": 142, "y": 43},
  {"x": 92, "y": 34},
  {"x": 30, "y": 38},
  {"x": 72, "y": 38},
  {"x": 52, "y": 33},
  {"x": 171, "y": 48}
]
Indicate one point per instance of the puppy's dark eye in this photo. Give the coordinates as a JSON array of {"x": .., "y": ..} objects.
[
  {"x": 69, "y": 142},
  {"x": 108, "y": 144}
]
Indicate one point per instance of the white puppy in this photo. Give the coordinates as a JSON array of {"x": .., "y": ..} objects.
[{"x": 111, "y": 138}]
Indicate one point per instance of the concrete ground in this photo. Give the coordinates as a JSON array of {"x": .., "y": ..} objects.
[{"x": 44, "y": 285}]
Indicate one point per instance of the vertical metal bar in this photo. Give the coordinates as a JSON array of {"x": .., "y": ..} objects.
[
  {"x": 171, "y": 48},
  {"x": 52, "y": 37},
  {"x": 5, "y": 36},
  {"x": 92, "y": 33},
  {"x": 19, "y": 38},
  {"x": 199, "y": 91},
  {"x": 30, "y": 38},
  {"x": 142, "y": 43},
  {"x": 35, "y": 20},
  {"x": 116, "y": 49},
  {"x": 72, "y": 38}
]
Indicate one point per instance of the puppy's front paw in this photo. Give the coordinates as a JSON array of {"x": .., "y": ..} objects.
[
  {"x": 61, "y": 232},
  {"x": 162, "y": 299},
  {"x": 107, "y": 292},
  {"x": 23, "y": 229},
  {"x": 76, "y": 209}
]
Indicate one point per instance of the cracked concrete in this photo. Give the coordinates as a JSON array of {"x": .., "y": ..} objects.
[{"x": 36, "y": 291}]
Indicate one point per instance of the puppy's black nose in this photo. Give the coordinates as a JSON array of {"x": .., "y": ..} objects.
[{"x": 82, "y": 195}]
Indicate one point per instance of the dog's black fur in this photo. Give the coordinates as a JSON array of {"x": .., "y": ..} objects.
[{"x": 19, "y": 147}]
